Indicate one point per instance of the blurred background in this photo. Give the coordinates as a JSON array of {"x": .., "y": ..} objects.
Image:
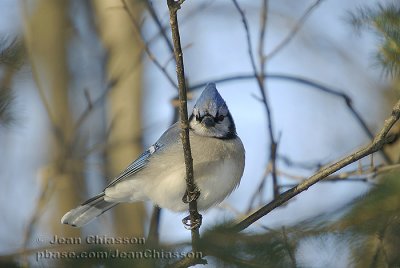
[{"x": 86, "y": 86}]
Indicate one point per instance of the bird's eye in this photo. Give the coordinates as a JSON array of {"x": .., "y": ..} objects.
[
  {"x": 220, "y": 117},
  {"x": 197, "y": 117}
]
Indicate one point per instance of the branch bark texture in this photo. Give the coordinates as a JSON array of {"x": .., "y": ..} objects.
[
  {"x": 378, "y": 142},
  {"x": 173, "y": 7}
]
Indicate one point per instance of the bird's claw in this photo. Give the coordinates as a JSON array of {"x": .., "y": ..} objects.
[
  {"x": 196, "y": 223},
  {"x": 191, "y": 196}
]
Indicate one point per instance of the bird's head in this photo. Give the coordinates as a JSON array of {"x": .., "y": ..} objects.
[{"x": 211, "y": 116}]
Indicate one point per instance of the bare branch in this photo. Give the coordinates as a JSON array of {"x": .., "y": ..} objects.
[
  {"x": 261, "y": 41},
  {"x": 146, "y": 46},
  {"x": 153, "y": 236},
  {"x": 294, "y": 30},
  {"x": 92, "y": 105},
  {"x": 260, "y": 82},
  {"x": 303, "y": 165},
  {"x": 161, "y": 28},
  {"x": 359, "y": 175},
  {"x": 191, "y": 187},
  {"x": 313, "y": 85},
  {"x": 188, "y": 16},
  {"x": 378, "y": 142}
]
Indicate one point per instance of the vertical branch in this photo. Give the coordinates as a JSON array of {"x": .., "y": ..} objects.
[
  {"x": 190, "y": 185},
  {"x": 261, "y": 54},
  {"x": 153, "y": 237},
  {"x": 261, "y": 86},
  {"x": 263, "y": 26}
]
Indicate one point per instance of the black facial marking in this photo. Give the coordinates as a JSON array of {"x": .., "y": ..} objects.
[
  {"x": 232, "y": 129},
  {"x": 218, "y": 119},
  {"x": 231, "y": 134}
]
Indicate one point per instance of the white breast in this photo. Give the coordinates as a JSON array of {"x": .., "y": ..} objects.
[
  {"x": 214, "y": 190},
  {"x": 215, "y": 184},
  {"x": 218, "y": 167}
]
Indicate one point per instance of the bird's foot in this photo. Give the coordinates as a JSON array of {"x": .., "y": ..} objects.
[
  {"x": 190, "y": 196},
  {"x": 196, "y": 223}
]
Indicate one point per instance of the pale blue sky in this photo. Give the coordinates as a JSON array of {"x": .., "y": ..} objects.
[{"x": 312, "y": 125}]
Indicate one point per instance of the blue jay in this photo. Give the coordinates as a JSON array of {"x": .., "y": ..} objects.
[{"x": 159, "y": 173}]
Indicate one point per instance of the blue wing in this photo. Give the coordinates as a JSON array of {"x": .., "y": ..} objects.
[{"x": 136, "y": 165}]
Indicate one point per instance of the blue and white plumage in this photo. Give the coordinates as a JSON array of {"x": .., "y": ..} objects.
[{"x": 158, "y": 174}]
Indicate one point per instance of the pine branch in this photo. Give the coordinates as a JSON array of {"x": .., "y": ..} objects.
[{"x": 384, "y": 21}]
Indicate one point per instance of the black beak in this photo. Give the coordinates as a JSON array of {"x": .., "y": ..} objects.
[{"x": 208, "y": 121}]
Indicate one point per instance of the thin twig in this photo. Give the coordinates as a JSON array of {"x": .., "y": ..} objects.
[
  {"x": 91, "y": 106},
  {"x": 294, "y": 31},
  {"x": 298, "y": 164},
  {"x": 161, "y": 28},
  {"x": 360, "y": 174},
  {"x": 146, "y": 46},
  {"x": 313, "y": 85},
  {"x": 363, "y": 175},
  {"x": 260, "y": 82},
  {"x": 273, "y": 144},
  {"x": 378, "y": 142},
  {"x": 190, "y": 184},
  {"x": 153, "y": 236},
  {"x": 263, "y": 27},
  {"x": 328, "y": 180},
  {"x": 259, "y": 190},
  {"x": 188, "y": 16}
]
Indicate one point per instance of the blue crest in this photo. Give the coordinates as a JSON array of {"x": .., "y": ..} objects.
[{"x": 210, "y": 101}]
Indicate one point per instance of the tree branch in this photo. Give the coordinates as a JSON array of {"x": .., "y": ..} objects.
[
  {"x": 173, "y": 7},
  {"x": 261, "y": 86},
  {"x": 153, "y": 234},
  {"x": 146, "y": 46},
  {"x": 314, "y": 85},
  {"x": 157, "y": 21},
  {"x": 294, "y": 30},
  {"x": 378, "y": 142}
]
